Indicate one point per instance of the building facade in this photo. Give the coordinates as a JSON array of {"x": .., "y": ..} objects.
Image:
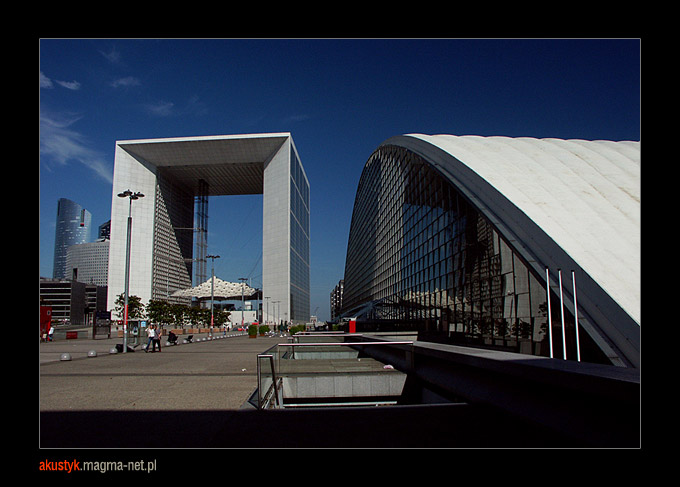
[
  {"x": 73, "y": 227},
  {"x": 336, "y": 299},
  {"x": 89, "y": 262},
  {"x": 169, "y": 229},
  {"x": 489, "y": 242},
  {"x": 72, "y": 302},
  {"x": 104, "y": 231}
]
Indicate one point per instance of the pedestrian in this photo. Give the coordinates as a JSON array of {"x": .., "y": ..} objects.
[
  {"x": 151, "y": 333},
  {"x": 50, "y": 334},
  {"x": 157, "y": 339}
]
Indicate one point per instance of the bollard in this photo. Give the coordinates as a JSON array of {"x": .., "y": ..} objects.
[
  {"x": 92, "y": 353},
  {"x": 65, "y": 357},
  {"x": 113, "y": 350}
]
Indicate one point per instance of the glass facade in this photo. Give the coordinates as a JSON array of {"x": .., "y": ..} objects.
[
  {"x": 172, "y": 239},
  {"x": 422, "y": 257},
  {"x": 299, "y": 240},
  {"x": 73, "y": 227}
]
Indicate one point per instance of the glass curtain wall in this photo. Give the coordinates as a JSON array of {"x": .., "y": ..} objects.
[
  {"x": 299, "y": 241},
  {"x": 421, "y": 257}
]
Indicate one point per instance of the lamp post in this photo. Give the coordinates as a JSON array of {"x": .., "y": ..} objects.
[
  {"x": 132, "y": 196},
  {"x": 243, "y": 283},
  {"x": 278, "y": 325},
  {"x": 266, "y": 298},
  {"x": 212, "y": 291}
]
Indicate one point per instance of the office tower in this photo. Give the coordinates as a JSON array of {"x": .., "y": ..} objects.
[
  {"x": 89, "y": 262},
  {"x": 73, "y": 227}
]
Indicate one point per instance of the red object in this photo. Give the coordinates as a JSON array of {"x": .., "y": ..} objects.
[
  {"x": 71, "y": 335},
  {"x": 352, "y": 326},
  {"x": 45, "y": 319}
]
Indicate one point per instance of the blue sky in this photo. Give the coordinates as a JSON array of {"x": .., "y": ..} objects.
[{"x": 339, "y": 98}]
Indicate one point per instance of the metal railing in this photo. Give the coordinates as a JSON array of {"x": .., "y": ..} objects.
[
  {"x": 270, "y": 382},
  {"x": 267, "y": 388}
]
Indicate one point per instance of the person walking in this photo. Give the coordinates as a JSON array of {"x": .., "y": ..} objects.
[
  {"x": 157, "y": 338},
  {"x": 151, "y": 333}
]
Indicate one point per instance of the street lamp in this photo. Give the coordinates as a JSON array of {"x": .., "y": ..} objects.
[
  {"x": 276, "y": 303},
  {"x": 266, "y": 298},
  {"x": 132, "y": 196},
  {"x": 212, "y": 290},
  {"x": 243, "y": 283}
]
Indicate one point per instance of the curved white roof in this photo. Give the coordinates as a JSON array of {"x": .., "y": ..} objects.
[
  {"x": 222, "y": 290},
  {"x": 584, "y": 194}
]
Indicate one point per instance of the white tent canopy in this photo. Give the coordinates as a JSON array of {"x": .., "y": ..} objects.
[{"x": 223, "y": 290}]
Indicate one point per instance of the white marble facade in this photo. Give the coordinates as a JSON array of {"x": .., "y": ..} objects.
[{"x": 259, "y": 160}]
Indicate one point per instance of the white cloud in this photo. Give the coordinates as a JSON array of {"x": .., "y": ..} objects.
[
  {"x": 45, "y": 82},
  {"x": 160, "y": 109},
  {"x": 112, "y": 56},
  {"x": 127, "y": 81},
  {"x": 193, "y": 106},
  {"x": 60, "y": 145},
  {"x": 71, "y": 85}
]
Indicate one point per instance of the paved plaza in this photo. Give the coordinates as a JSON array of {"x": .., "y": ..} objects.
[
  {"x": 195, "y": 396},
  {"x": 217, "y": 374}
]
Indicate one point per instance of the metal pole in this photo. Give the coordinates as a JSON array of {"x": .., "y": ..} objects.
[
  {"x": 578, "y": 344},
  {"x": 547, "y": 289},
  {"x": 212, "y": 291},
  {"x": 564, "y": 336},
  {"x": 212, "y": 295},
  {"x": 132, "y": 196},
  {"x": 243, "y": 284},
  {"x": 127, "y": 278},
  {"x": 267, "y": 318}
]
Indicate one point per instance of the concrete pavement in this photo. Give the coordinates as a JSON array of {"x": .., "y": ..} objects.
[
  {"x": 217, "y": 374},
  {"x": 192, "y": 396}
]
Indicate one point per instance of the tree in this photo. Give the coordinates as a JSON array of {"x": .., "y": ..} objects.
[
  {"x": 135, "y": 307},
  {"x": 220, "y": 317},
  {"x": 178, "y": 312},
  {"x": 197, "y": 316},
  {"x": 159, "y": 311}
]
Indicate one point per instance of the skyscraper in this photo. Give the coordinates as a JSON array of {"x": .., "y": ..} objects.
[{"x": 73, "y": 227}]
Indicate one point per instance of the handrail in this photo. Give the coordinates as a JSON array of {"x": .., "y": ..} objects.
[
  {"x": 259, "y": 381},
  {"x": 317, "y": 333},
  {"x": 263, "y": 398},
  {"x": 341, "y": 343}
]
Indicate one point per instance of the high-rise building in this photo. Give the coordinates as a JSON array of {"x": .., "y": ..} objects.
[
  {"x": 169, "y": 238},
  {"x": 336, "y": 299},
  {"x": 89, "y": 262},
  {"x": 104, "y": 230},
  {"x": 73, "y": 227}
]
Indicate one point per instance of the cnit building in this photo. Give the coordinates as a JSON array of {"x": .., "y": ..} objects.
[
  {"x": 515, "y": 244},
  {"x": 170, "y": 223}
]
